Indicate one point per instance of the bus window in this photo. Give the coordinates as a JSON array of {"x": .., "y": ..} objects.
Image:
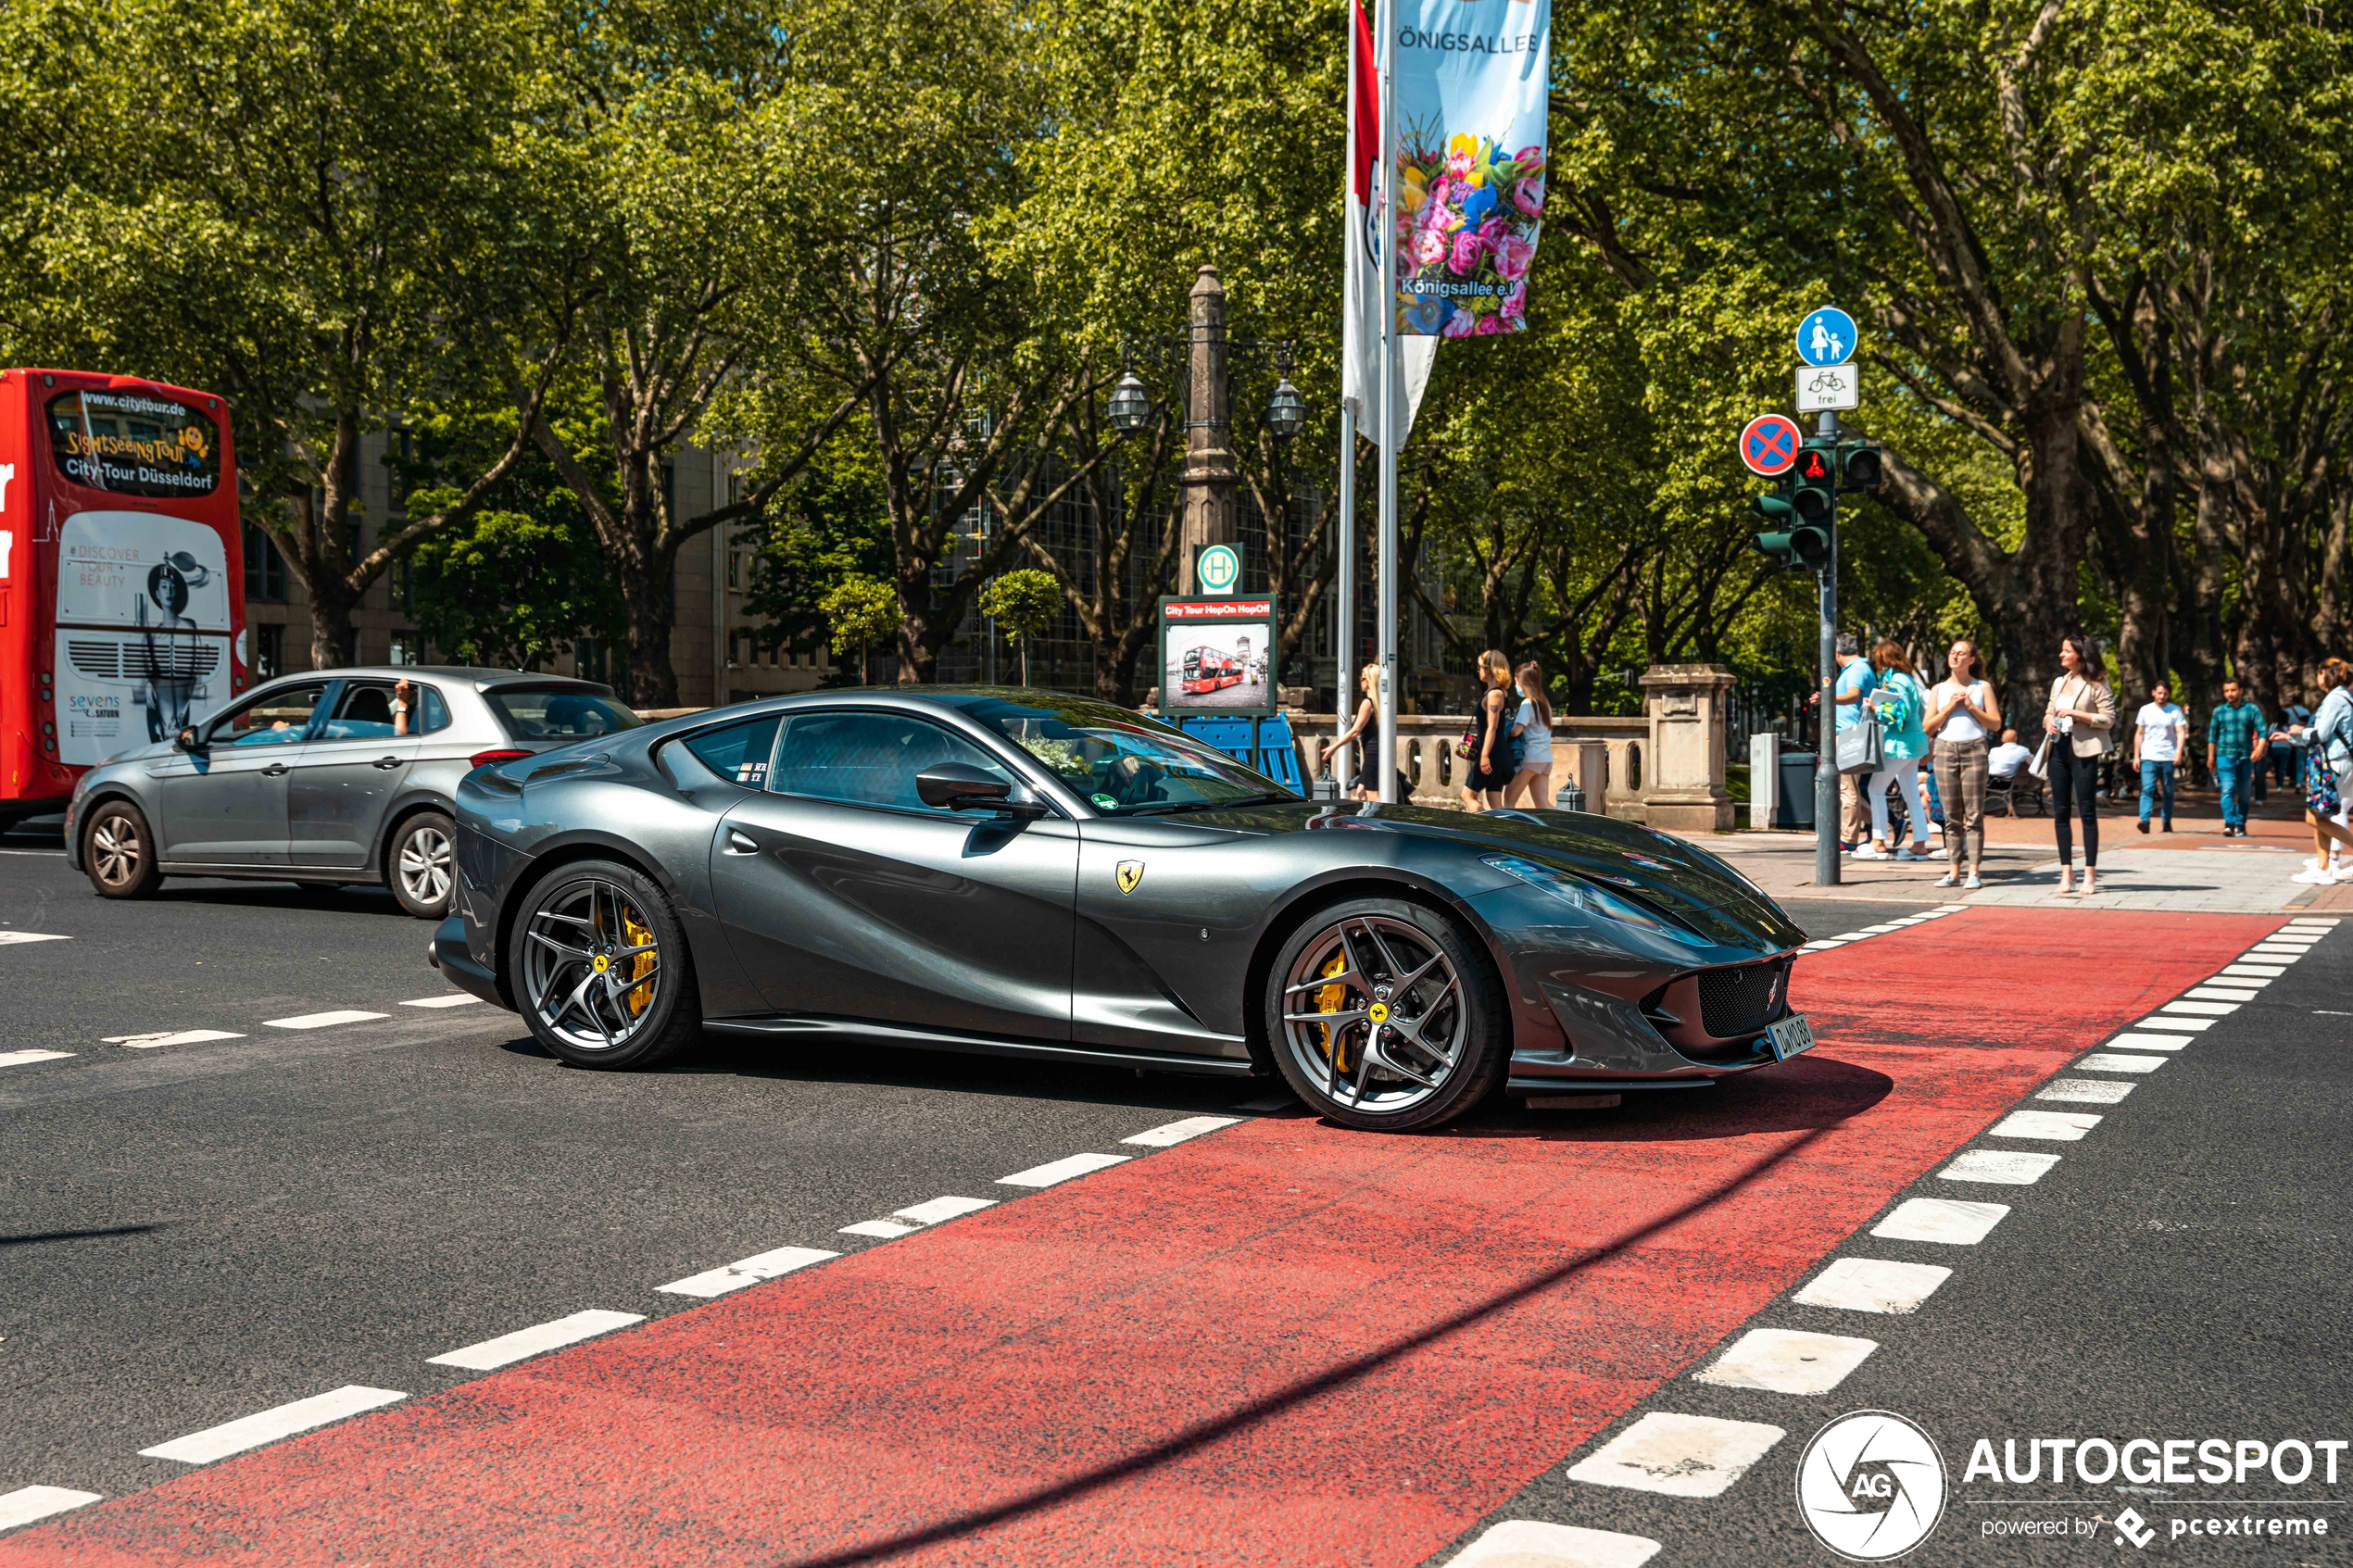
[{"x": 134, "y": 444}]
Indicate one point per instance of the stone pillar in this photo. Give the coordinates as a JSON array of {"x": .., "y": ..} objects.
[
  {"x": 1211, "y": 482},
  {"x": 1684, "y": 768}
]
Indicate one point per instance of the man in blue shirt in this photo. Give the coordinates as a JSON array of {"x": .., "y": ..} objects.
[
  {"x": 1854, "y": 683},
  {"x": 2233, "y": 747}
]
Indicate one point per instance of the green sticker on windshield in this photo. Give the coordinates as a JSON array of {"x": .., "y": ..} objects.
[{"x": 1109, "y": 803}]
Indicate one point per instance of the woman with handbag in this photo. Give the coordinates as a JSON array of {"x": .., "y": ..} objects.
[
  {"x": 1486, "y": 747},
  {"x": 1899, "y": 705},
  {"x": 2078, "y": 730},
  {"x": 1367, "y": 724},
  {"x": 2328, "y": 768}
]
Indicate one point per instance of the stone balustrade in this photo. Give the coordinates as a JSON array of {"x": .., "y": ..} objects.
[{"x": 1590, "y": 750}]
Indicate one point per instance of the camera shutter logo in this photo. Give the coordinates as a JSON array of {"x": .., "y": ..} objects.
[{"x": 1872, "y": 1485}]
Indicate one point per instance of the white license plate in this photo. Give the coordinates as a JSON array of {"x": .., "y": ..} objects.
[{"x": 1790, "y": 1036}]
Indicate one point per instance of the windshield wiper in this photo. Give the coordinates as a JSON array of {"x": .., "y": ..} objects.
[{"x": 1262, "y": 798}]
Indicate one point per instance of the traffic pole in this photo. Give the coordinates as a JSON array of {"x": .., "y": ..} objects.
[
  {"x": 1385, "y": 762},
  {"x": 1826, "y": 824},
  {"x": 1344, "y": 602}
]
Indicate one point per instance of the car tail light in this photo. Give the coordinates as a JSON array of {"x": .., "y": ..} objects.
[{"x": 495, "y": 755}]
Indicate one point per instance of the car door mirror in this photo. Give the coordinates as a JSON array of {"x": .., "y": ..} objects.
[
  {"x": 187, "y": 740},
  {"x": 960, "y": 787}
]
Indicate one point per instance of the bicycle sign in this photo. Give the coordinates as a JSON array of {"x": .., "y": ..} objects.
[
  {"x": 1828, "y": 386},
  {"x": 1768, "y": 444}
]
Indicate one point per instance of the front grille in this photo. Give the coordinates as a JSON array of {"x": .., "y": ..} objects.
[{"x": 1742, "y": 999}]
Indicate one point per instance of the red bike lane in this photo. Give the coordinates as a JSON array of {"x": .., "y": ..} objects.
[{"x": 1286, "y": 1343}]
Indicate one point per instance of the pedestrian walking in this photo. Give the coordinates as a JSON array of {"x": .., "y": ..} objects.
[
  {"x": 2328, "y": 768},
  {"x": 2159, "y": 730},
  {"x": 1366, "y": 724},
  {"x": 1488, "y": 745},
  {"x": 2078, "y": 730},
  {"x": 1961, "y": 713},
  {"x": 1853, "y": 686},
  {"x": 1532, "y": 785},
  {"x": 1900, "y": 703},
  {"x": 2234, "y": 743}
]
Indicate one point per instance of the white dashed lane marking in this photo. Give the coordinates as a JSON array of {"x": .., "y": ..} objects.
[
  {"x": 252, "y": 1431},
  {"x": 28, "y": 1503},
  {"x": 2223, "y": 994},
  {"x": 938, "y": 1209},
  {"x": 1683, "y": 1456},
  {"x": 2117, "y": 1061},
  {"x": 1046, "y": 1175},
  {"x": 2140, "y": 1042},
  {"x": 2086, "y": 1091},
  {"x": 1528, "y": 1543},
  {"x": 747, "y": 1271},
  {"x": 1953, "y": 1221},
  {"x": 10, "y": 938},
  {"x": 524, "y": 1343},
  {"x": 322, "y": 1020},
  {"x": 455, "y": 999},
  {"x": 1781, "y": 1360},
  {"x": 1872, "y": 1284},
  {"x": 2200, "y": 1009},
  {"x": 1999, "y": 1167},
  {"x": 1177, "y": 1132},
  {"x": 2253, "y": 971},
  {"x": 888, "y": 1230},
  {"x": 170, "y": 1037},
  {"x": 2056, "y": 1126},
  {"x": 18, "y": 1058},
  {"x": 2178, "y": 1025}
]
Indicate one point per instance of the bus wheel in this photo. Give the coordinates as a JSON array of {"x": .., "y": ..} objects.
[{"x": 119, "y": 853}]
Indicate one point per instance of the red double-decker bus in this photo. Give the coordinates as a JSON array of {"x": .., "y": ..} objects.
[{"x": 122, "y": 607}]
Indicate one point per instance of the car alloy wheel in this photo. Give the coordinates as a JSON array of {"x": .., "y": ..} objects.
[
  {"x": 1385, "y": 1017},
  {"x": 601, "y": 969},
  {"x": 119, "y": 853},
  {"x": 424, "y": 866}
]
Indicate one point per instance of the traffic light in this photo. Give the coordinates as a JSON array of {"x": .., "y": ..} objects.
[
  {"x": 1802, "y": 509},
  {"x": 1858, "y": 466}
]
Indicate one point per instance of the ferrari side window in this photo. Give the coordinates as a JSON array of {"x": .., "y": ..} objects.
[
  {"x": 869, "y": 759},
  {"x": 738, "y": 752}
]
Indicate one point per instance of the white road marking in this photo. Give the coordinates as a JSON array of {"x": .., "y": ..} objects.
[
  {"x": 938, "y": 1209},
  {"x": 1851, "y": 936},
  {"x": 524, "y": 1343},
  {"x": 2086, "y": 1091},
  {"x": 8, "y": 938},
  {"x": 1782, "y": 1360},
  {"x": 2139, "y": 1041},
  {"x": 1999, "y": 1167},
  {"x": 2324, "y": 922},
  {"x": 2201, "y": 1010},
  {"x": 2056, "y": 1126},
  {"x": 2117, "y": 1061},
  {"x": 746, "y": 1270},
  {"x": 454, "y": 1000},
  {"x": 1528, "y": 1543},
  {"x": 2185, "y": 1025},
  {"x": 1881, "y": 930},
  {"x": 889, "y": 1230},
  {"x": 2252, "y": 972},
  {"x": 18, "y": 1058},
  {"x": 2278, "y": 952},
  {"x": 1061, "y": 1169},
  {"x": 170, "y": 1037},
  {"x": 322, "y": 1020},
  {"x": 1177, "y": 1132},
  {"x": 1683, "y": 1456},
  {"x": 252, "y": 1431},
  {"x": 1873, "y": 1284},
  {"x": 1953, "y": 1221},
  {"x": 2223, "y": 993},
  {"x": 1910, "y": 920},
  {"x": 28, "y": 1503}
]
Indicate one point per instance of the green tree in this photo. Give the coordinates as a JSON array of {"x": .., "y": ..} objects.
[
  {"x": 1023, "y": 602},
  {"x": 862, "y": 611},
  {"x": 511, "y": 589}
]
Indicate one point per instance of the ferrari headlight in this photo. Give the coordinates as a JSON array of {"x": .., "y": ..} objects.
[{"x": 1583, "y": 895}]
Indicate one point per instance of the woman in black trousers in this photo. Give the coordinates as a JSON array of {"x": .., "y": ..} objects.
[{"x": 2079, "y": 729}]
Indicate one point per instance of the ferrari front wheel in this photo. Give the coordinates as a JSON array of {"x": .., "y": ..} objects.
[
  {"x": 1386, "y": 1015},
  {"x": 600, "y": 968}
]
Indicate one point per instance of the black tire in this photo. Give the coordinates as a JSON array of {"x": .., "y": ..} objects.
[
  {"x": 576, "y": 933},
  {"x": 421, "y": 865},
  {"x": 1439, "y": 1041},
  {"x": 119, "y": 852}
]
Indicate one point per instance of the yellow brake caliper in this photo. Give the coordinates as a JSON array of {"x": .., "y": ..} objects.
[
  {"x": 636, "y": 936},
  {"x": 1331, "y": 998}
]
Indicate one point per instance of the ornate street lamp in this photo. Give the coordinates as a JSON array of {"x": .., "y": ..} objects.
[
  {"x": 1286, "y": 411},
  {"x": 1131, "y": 408}
]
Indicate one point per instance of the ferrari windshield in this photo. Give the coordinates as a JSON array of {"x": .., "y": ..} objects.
[{"x": 1124, "y": 765}]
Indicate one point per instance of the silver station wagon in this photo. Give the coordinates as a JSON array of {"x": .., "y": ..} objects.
[{"x": 327, "y": 779}]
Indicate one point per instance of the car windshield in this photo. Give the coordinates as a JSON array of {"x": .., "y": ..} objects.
[
  {"x": 1125, "y": 765},
  {"x": 558, "y": 712}
]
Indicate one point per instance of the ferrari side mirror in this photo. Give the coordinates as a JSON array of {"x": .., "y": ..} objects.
[{"x": 960, "y": 787}]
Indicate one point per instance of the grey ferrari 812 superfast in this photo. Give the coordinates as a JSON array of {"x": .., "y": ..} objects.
[{"x": 1029, "y": 873}]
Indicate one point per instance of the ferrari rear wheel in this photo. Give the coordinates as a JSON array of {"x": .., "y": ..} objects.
[
  {"x": 1384, "y": 1015},
  {"x": 601, "y": 970}
]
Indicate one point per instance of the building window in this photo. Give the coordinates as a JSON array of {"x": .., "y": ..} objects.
[
  {"x": 734, "y": 569},
  {"x": 268, "y": 649},
  {"x": 405, "y": 649},
  {"x": 265, "y": 568}
]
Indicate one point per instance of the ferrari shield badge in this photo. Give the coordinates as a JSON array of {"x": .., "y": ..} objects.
[{"x": 1131, "y": 873}]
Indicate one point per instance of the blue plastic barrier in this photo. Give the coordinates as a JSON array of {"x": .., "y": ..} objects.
[{"x": 1264, "y": 744}]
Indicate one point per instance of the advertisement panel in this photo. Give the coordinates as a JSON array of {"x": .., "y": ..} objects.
[
  {"x": 143, "y": 629},
  {"x": 1218, "y": 655}
]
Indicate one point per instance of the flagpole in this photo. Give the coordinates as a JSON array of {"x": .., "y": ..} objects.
[
  {"x": 1344, "y": 598},
  {"x": 1386, "y": 53}
]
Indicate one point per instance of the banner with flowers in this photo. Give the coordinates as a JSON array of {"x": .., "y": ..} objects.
[{"x": 1470, "y": 82}]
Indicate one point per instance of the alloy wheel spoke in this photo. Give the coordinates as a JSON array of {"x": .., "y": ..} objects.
[
  {"x": 1335, "y": 1020},
  {"x": 572, "y": 954}
]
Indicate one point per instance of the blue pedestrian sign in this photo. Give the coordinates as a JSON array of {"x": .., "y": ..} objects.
[{"x": 1826, "y": 337}]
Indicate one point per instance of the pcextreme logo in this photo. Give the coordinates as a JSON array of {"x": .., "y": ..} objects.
[{"x": 1872, "y": 1485}]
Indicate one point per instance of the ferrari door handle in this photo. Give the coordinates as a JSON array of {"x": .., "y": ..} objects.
[
  {"x": 387, "y": 762},
  {"x": 275, "y": 770},
  {"x": 741, "y": 842}
]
